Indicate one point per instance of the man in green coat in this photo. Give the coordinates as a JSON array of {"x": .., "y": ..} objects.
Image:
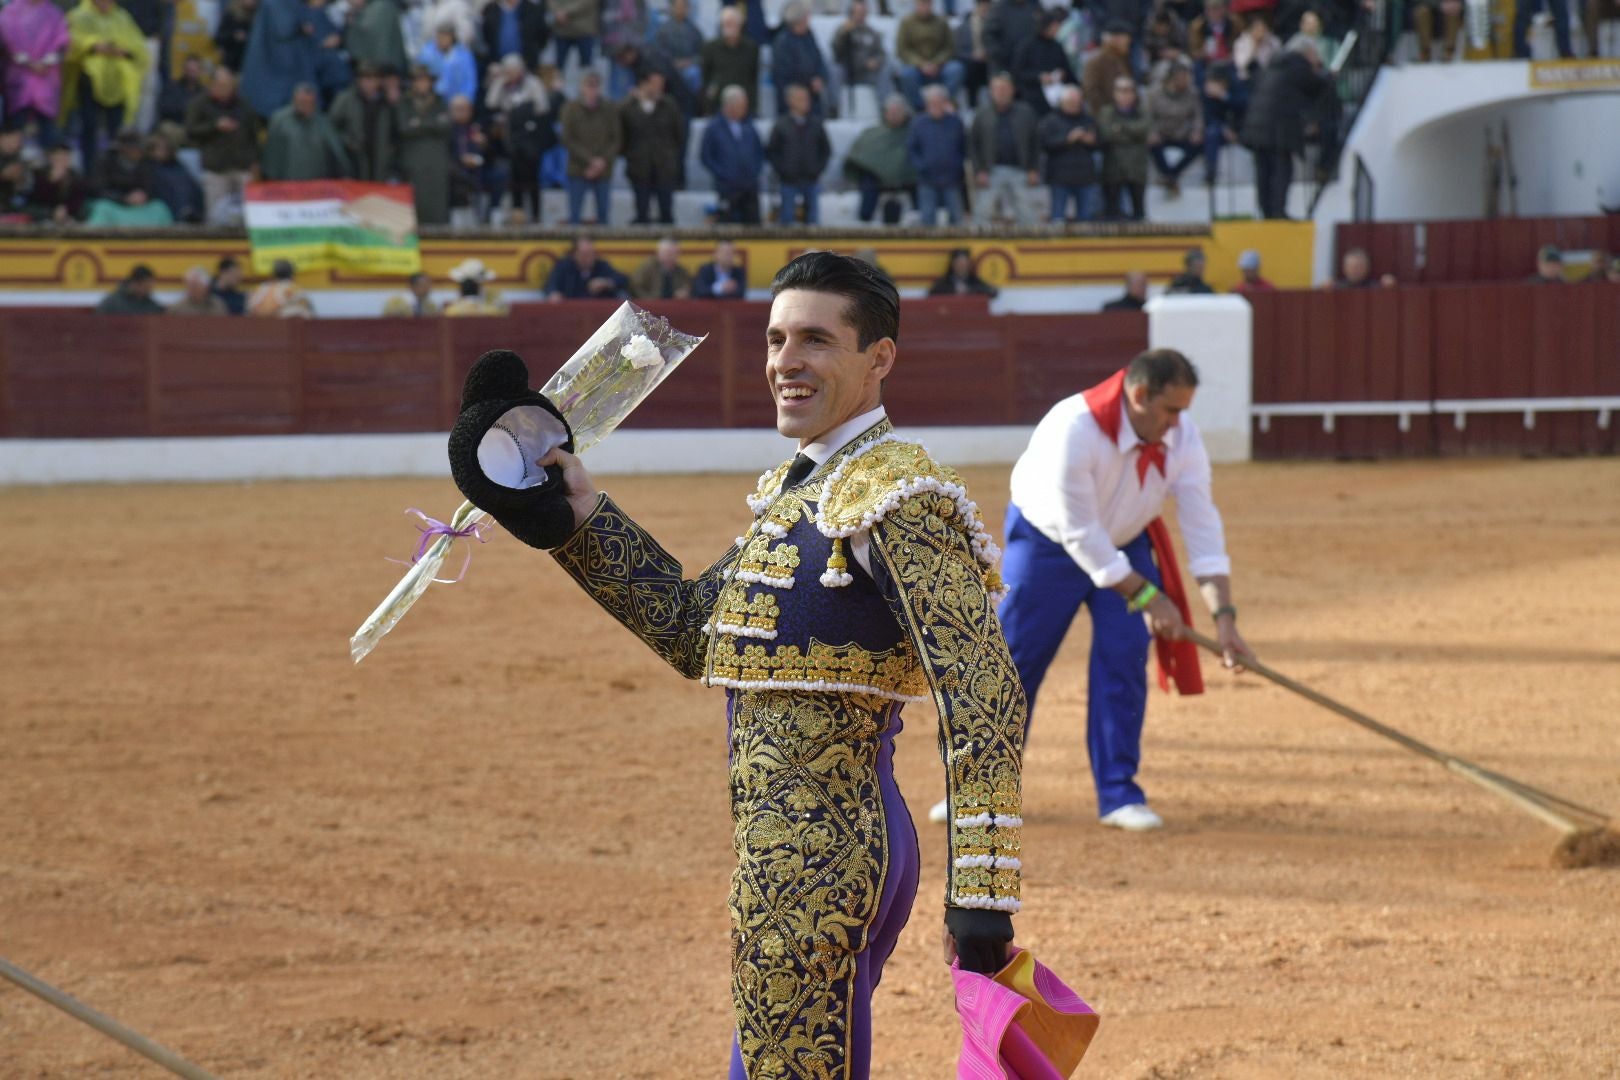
[
  {"x": 364, "y": 118},
  {"x": 878, "y": 161},
  {"x": 374, "y": 35},
  {"x": 424, "y": 147},
  {"x": 1124, "y": 128},
  {"x": 302, "y": 144}
]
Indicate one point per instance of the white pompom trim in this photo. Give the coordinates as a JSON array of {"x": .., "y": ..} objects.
[
  {"x": 836, "y": 579},
  {"x": 739, "y": 631},
  {"x": 812, "y": 686},
  {"x": 984, "y": 547},
  {"x": 974, "y": 822},
  {"x": 988, "y": 862},
  {"x": 1004, "y": 822},
  {"x": 753, "y": 578},
  {"x": 990, "y": 903},
  {"x": 773, "y": 529}
]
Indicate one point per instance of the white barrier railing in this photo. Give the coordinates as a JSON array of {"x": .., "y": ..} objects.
[{"x": 1458, "y": 408}]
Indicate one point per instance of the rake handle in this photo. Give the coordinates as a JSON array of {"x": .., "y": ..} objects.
[
  {"x": 103, "y": 1023},
  {"x": 1518, "y": 794}
]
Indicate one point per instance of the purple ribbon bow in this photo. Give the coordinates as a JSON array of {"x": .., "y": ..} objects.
[{"x": 432, "y": 528}]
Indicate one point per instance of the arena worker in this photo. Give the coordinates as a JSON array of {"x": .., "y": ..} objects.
[
  {"x": 864, "y": 582},
  {"x": 1084, "y": 528}
]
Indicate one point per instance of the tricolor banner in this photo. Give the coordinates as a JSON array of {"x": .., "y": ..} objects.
[{"x": 327, "y": 224}]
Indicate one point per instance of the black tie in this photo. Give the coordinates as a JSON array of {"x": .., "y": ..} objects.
[{"x": 802, "y": 466}]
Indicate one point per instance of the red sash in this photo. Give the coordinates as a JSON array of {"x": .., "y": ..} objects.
[{"x": 1178, "y": 660}]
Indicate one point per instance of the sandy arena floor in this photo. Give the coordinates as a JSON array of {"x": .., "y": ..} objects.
[{"x": 499, "y": 848}]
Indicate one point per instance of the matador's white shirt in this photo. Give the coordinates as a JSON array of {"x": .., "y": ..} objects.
[{"x": 1080, "y": 489}]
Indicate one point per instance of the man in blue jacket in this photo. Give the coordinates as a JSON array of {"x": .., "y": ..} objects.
[
  {"x": 732, "y": 153},
  {"x": 937, "y": 146},
  {"x": 796, "y": 58}
]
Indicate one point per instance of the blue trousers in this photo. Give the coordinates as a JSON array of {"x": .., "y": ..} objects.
[
  {"x": 794, "y": 194},
  {"x": 1045, "y": 589},
  {"x": 601, "y": 190}
]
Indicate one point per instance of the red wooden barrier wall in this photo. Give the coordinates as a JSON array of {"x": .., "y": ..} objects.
[
  {"x": 1500, "y": 249},
  {"x": 1427, "y": 344},
  {"x": 78, "y": 375}
]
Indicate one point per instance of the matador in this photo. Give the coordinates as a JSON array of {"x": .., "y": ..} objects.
[{"x": 864, "y": 582}]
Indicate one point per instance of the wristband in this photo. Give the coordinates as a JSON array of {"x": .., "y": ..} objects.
[
  {"x": 1144, "y": 596},
  {"x": 1225, "y": 609}
]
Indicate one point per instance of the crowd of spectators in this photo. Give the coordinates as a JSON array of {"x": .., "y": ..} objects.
[{"x": 478, "y": 104}]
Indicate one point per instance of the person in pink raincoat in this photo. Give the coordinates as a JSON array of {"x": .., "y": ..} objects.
[{"x": 35, "y": 36}]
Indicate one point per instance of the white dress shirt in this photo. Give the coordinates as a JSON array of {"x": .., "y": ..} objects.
[
  {"x": 1079, "y": 488},
  {"x": 860, "y": 545}
]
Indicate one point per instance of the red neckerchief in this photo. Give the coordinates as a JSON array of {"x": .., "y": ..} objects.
[{"x": 1178, "y": 660}]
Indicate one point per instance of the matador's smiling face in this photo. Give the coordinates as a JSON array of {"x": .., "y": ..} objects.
[{"x": 818, "y": 375}]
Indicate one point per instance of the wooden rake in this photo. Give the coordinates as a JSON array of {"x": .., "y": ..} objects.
[{"x": 1570, "y": 818}]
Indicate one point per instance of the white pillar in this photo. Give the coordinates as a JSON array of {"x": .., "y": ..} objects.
[{"x": 1217, "y": 334}]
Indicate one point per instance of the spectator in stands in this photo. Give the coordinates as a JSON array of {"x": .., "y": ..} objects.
[
  {"x": 374, "y": 35},
  {"x": 478, "y": 175},
  {"x": 1176, "y": 116},
  {"x": 581, "y": 275},
  {"x": 859, "y": 53},
  {"x": 1525, "y": 13},
  {"x": 732, "y": 59},
  {"x": 796, "y": 58},
  {"x": 1069, "y": 137},
  {"x": 279, "y": 56},
  {"x": 34, "y": 36},
  {"x": 799, "y": 150},
  {"x": 15, "y": 176},
  {"x": 732, "y": 153},
  {"x": 1041, "y": 67},
  {"x": 1249, "y": 267},
  {"x": 172, "y": 183},
  {"x": 972, "y": 52},
  {"x": 58, "y": 192},
  {"x": 424, "y": 18},
  {"x": 1135, "y": 298},
  {"x": 1221, "y": 116},
  {"x": 1355, "y": 272},
  {"x": 1274, "y": 124},
  {"x": 199, "y": 299},
  {"x": 280, "y": 297},
  {"x": 722, "y": 278},
  {"x": 1191, "y": 279},
  {"x": 576, "y": 24},
  {"x": 148, "y": 16},
  {"x": 592, "y": 135},
  {"x": 937, "y": 146},
  {"x": 220, "y": 124},
  {"x": 333, "y": 71},
  {"x": 1311, "y": 30},
  {"x": 879, "y": 164},
  {"x": 925, "y": 48},
  {"x": 1165, "y": 37},
  {"x": 107, "y": 61},
  {"x": 423, "y": 122},
  {"x": 454, "y": 72},
  {"x": 624, "y": 24},
  {"x": 1549, "y": 267},
  {"x": 531, "y": 132},
  {"x": 1005, "y": 152},
  {"x": 472, "y": 278},
  {"x": 515, "y": 28},
  {"x": 960, "y": 278},
  {"x": 1255, "y": 48},
  {"x": 122, "y": 186},
  {"x": 679, "y": 39},
  {"x": 662, "y": 277},
  {"x": 1211, "y": 36},
  {"x": 301, "y": 144},
  {"x": 178, "y": 93},
  {"x": 1010, "y": 24},
  {"x": 1107, "y": 66},
  {"x": 231, "y": 36},
  {"x": 133, "y": 296},
  {"x": 366, "y": 121},
  {"x": 653, "y": 141},
  {"x": 1599, "y": 267},
  {"x": 416, "y": 303},
  {"x": 1124, "y": 129},
  {"x": 227, "y": 285}
]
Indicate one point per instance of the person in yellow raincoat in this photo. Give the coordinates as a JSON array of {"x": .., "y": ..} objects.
[{"x": 106, "y": 62}]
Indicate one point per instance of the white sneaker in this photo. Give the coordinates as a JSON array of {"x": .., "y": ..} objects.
[
  {"x": 1135, "y": 817},
  {"x": 941, "y": 812}
]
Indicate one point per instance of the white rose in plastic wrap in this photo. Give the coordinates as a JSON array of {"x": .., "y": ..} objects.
[{"x": 642, "y": 352}]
